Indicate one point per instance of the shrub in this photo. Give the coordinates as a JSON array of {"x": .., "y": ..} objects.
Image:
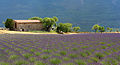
[
  {"x": 37, "y": 53},
  {"x": 66, "y": 59},
  {"x": 73, "y": 55},
  {"x": 55, "y": 61},
  {"x": 69, "y": 64},
  {"x": 83, "y": 54},
  {"x": 4, "y": 63},
  {"x": 104, "y": 47},
  {"x": 84, "y": 47},
  {"x": 88, "y": 52},
  {"x": 74, "y": 49},
  {"x": 57, "y": 54},
  {"x": 21, "y": 62},
  {"x": 45, "y": 56},
  {"x": 32, "y": 59},
  {"x": 47, "y": 51},
  {"x": 39, "y": 63},
  {"x": 110, "y": 61},
  {"x": 63, "y": 52},
  {"x": 27, "y": 55},
  {"x": 13, "y": 57},
  {"x": 80, "y": 62},
  {"x": 94, "y": 59},
  {"x": 32, "y": 50},
  {"x": 99, "y": 55}
]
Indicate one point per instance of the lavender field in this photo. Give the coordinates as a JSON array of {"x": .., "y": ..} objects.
[{"x": 52, "y": 49}]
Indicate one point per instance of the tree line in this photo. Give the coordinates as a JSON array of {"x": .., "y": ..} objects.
[{"x": 50, "y": 23}]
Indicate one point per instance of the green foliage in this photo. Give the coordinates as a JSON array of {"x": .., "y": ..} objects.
[
  {"x": 76, "y": 29},
  {"x": 88, "y": 52},
  {"x": 102, "y": 29},
  {"x": 13, "y": 57},
  {"x": 94, "y": 59},
  {"x": 47, "y": 51},
  {"x": 36, "y": 18},
  {"x": 110, "y": 61},
  {"x": 66, "y": 59},
  {"x": 4, "y": 63},
  {"x": 32, "y": 59},
  {"x": 83, "y": 54},
  {"x": 37, "y": 53},
  {"x": 55, "y": 61},
  {"x": 21, "y": 62},
  {"x": 9, "y": 24},
  {"x": 39, "y": 63},
  {"x": 104, "y": 47},
  {"x": 45, "y": 56},
  {"x": 99, "y": 55},
  {"x": 57, "y": 54},
  {"x": 49, "y": 23},
  {"x": 27, "y": 55},
  {"x": 73, "y": 55},
  {"x": 110, "y": 29},
  {"x": 95, "y": 27},
  {"x": 63, "y": 52},
  {"x": 118, "y": 57},
  {"x": 32, "y": 50},
  {"x": 64, "y": 27},
  {"x": 74, "y": 49},
  {"x": 80, "y": 62},
  {"x": 84, "y": 47},
  {"x": 69, "y": 64}
]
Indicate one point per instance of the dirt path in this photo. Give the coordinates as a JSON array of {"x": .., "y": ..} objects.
[{"x": 18, "y": 32}]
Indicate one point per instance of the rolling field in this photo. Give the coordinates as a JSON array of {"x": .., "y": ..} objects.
[{"x": 55, "y": 49}]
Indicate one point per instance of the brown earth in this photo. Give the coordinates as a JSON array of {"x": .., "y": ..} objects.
[{"x": 18, "y": 32}]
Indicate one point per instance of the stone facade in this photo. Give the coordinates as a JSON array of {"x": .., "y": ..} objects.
[{"x": 28, "y": 26}]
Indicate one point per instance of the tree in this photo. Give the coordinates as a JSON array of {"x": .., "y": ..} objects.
[
  {"x": 36, "y": 18},
  {"x": 64, "y": 27},
  {"x": 111, "y": 29},
  {"x": 9, "y": 24},
  {"x": 102, "y": 29},
  {"x": 76, "y": 29},
  {"x": 95, "y": 27},
  {"x": 108, "y": 28},
  {"x": 49, "y": 23}
]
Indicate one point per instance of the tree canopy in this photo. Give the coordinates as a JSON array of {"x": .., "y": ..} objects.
[
  {"x": 76, "y": 29},
  {"x": 95, "y": 27},
  {"x": 48, "y": 23},
  {"x": 36, "y": 18},
  {"x": 64, "y": 27},
  {"x": 9, "y": 24}
]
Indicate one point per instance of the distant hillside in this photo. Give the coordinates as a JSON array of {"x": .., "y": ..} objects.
[{"x": 84, "y": 13}]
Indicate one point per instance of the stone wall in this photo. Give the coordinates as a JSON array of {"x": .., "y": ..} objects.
[{"x": 29, "y": 26}]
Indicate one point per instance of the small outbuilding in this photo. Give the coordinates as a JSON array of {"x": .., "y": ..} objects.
[{"x": 27, "y": 25}]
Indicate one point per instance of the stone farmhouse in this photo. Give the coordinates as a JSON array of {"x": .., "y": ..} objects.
[{"x": 27, "y": 25}]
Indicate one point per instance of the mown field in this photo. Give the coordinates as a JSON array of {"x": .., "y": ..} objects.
[{"x": 54, "y": 49}]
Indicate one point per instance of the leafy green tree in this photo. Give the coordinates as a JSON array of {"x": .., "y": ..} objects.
[
  {"x": 95, "y": 27},
  {"x": 111, "y": 29},
  {"x": 49, "y": 23},
  {"x": 64, "y": 27},
  {"x": 76, "y": 29},
  {"x": 36, "y": 18},
  {"x": 9, "y": 24},
  {"x": 102, "y": 29}
]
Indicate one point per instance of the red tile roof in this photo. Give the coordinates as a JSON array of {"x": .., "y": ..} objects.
[{"x": 26, "y": 21}]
